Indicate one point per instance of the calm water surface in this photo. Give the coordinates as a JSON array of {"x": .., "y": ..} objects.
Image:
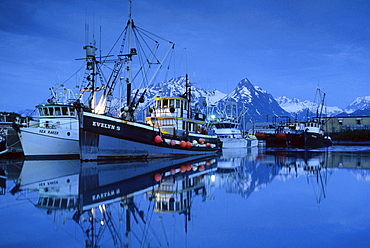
[{"x": 255, "y": 198}]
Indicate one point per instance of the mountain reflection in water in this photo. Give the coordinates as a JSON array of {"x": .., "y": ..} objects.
[{"x": 243, "y": 198}]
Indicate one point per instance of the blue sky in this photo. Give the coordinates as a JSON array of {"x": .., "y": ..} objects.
[{"x": 285, "y": 47}]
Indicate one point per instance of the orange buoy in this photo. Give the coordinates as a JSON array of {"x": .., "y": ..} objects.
[
  {"x": 172, "y": 142},
  {"x": 188, "y": 144},
  {"x": 182, "y": 168},
  {"x": 183, "y": 143},
  {"x": 188, "y": 167},
  {"x": 201, "y": 168},
  {"x": 157, "y": 177},
  {"x": 201, "y": 141},
  {"x": 208, "y": 144},
  {"x": 158, "y": 139}
]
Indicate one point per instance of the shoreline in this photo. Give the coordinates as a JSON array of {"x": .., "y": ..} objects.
[{"x": 351, "y": 143}]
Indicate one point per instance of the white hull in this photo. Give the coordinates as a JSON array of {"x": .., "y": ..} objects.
[
  {"x": 53, "y": 142},
  {"x": 238, "y": 143}
]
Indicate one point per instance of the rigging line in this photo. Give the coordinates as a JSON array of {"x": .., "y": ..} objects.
[
  {"x": 159, "y": 67},
  {"x": 74, "y": 73},
  {"x": 124, "y": 31},
  {"x": 137, "y": 35},
  {"x": 144, "y": 67},
  {"x": 141, "y": 41},
  {"x": 147, "y": 228},
  {"x": 153, "y": 34}
]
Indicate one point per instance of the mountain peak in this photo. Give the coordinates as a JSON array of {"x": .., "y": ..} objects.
[{"x": 358, "y": 104}]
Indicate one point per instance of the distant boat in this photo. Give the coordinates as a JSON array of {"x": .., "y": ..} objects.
[
  {"x": 3, "y": 134},
  {"x": 296, "y": 135},
  {"x": 172, "y": 127},
  {"x": 232, "y": 137},
  {"x": 306, "y": 135},
  {"x": 309, "y": 134},
  {"x": 56, "y": 131},
  {"x": 10, "y": 146},
  {"x": 228, "y": 130}
]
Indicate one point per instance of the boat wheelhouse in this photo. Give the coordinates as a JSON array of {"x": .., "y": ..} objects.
[{"x": 172, "y": 115}]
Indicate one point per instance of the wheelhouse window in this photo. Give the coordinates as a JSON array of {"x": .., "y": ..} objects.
[
  {"x": 64, "y": 111},
  {"x": 165, "y": 103},
  {"x": 58, "y": 111},
  {"x": 72, "y": 111},
  {"x": 43, "y": 111},
  {"x": 51, "y": 111}
]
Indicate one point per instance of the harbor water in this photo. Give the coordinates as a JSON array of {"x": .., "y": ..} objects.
[{"x": 242, "y": 198}]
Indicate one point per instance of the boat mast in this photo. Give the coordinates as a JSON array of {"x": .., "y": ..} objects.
[
  {"x": 130, "y": 24},
  {"x": 91, "y": 66},
  {"x": 188, "y": 96}
]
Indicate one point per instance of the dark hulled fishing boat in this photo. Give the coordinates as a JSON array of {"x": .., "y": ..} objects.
[{"x": 171, "y": 129}]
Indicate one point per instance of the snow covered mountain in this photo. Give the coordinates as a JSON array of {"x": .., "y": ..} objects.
[
  {"x": 360, "y": 103},
  {"x": 360, "y": 106},
  {"x": 252, "y": 102},
  {"x": 301, "y": 109}
]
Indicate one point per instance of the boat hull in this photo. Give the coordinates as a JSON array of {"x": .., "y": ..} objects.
[
  {"x": 103, "y": 137},
  {"x": 238, "y": 143},
  {"x": 274, "y": 140},
  {"x": 44, "y": 143},
  {"x": 308, "y": 140}
]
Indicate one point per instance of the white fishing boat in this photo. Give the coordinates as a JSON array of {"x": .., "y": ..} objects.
[
  {"x": 228, "y": 129},
  {"x": 56, "y": 131},
  {"x": 232, "y": 137}
]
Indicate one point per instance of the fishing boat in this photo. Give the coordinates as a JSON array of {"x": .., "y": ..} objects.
[
  {"x": 172, "y": 127},
  {"x": 56, "y": 131},
  {"x": 228, "y": 130},
  {"x": 309, "y": 134},
  {"x": 294, "y": 134},
  {"x": 232, "y": 137},
  {"x": 10, "y": 146}
]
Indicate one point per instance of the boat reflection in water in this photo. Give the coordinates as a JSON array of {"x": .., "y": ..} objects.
[
  {"x": 114, "y": 202},
  {"x": 317, "y": 167},
  {"x": 239, "y": 172},
  {"x": 168, "y": 203}
]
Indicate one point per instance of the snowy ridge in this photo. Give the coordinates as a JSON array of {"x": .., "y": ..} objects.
[
  {"x": 360, "y": 103},
  {"x": 299, "y": 108},
  {"x": 252, "y": 102}
]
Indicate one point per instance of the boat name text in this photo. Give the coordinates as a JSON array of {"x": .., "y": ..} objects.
[
  {"x": 48, "y": 131},
  {"x": 103, "y": 195},
  {"x": 105, "y": 125},
  {"x": 48, "y": 183}
]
